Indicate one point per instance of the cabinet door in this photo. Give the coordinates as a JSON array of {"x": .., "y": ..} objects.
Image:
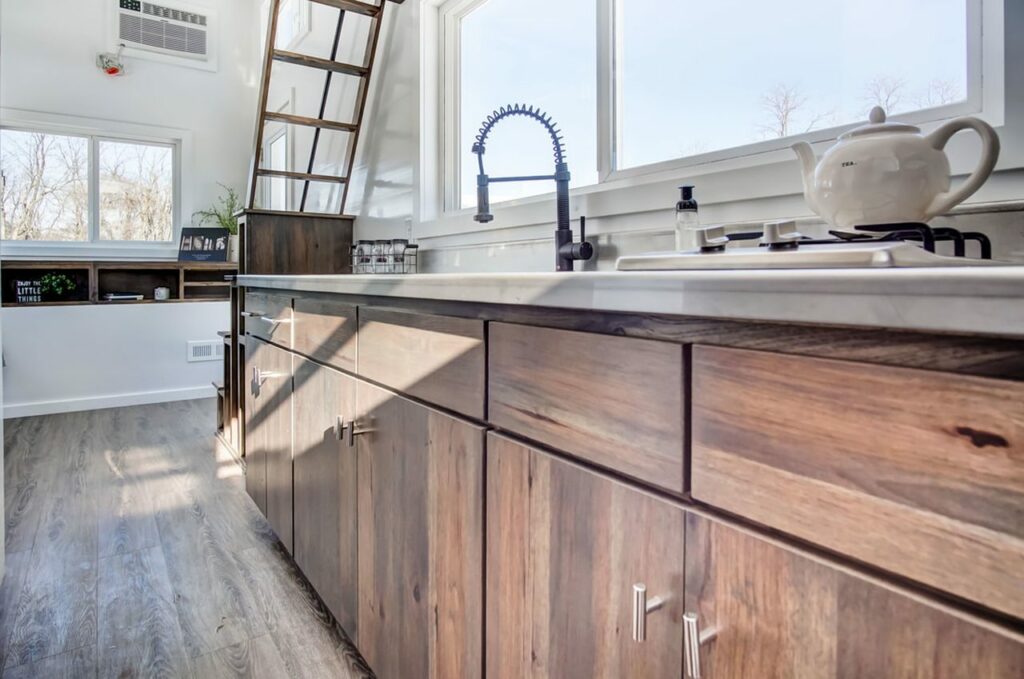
[
  {"x": 566, "y": 550},
  {"x": 421, "y": 511},
  {"x": 275, "y": 396},
  {"x": 774, "y": 613},
  {"x": 255, "y": 421},
  {"x": 325, "y": 487}
]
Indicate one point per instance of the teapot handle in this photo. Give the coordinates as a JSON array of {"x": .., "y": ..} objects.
[{"x": 944, "y": 202}]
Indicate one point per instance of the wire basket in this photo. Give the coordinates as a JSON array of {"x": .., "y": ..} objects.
[{"x": 395, "y": 256}]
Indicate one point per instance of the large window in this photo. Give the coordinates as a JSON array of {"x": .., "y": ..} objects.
[
  {"x": 698, "y": 76},
  {"x": 640, "y": 86},
  {"x": 534, "y": 52},
  {"x": 62, "y": 187}
]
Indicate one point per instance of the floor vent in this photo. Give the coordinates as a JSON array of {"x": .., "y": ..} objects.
[{"x": 206, "y": 350}]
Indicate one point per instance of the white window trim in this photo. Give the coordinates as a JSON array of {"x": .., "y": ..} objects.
[
  {"x": 106, "y": 130},
  {"x": 739, "y": 173}
]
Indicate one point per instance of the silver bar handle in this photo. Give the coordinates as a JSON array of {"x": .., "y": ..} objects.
[
  {"x": 339, "y": 428},
  {"x": 355, "y": 430},
  {"x": 641, "y": 607},
  {"x": 251, "y": 314},
  {"x": 274, "y": 321},
  {"x": 693, "y": 639}
]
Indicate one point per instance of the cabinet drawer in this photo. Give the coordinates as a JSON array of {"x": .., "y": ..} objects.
[
  {"x": 326, "y": 330},
  {"x": 439, "y": 359},
  {"x": 269, "y": 317},
  {"x": 918, "y": 472},
  {"x": 615, "y": 401}
]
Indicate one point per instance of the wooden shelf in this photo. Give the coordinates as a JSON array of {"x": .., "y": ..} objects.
[{"x": 95, "y": 278}]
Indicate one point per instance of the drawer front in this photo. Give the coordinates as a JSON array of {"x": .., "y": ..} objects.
[
  {"x": 269, "y": 317},
  {"x": 326, "y": 331},
  {"x": 615, "y": 401},
  {"x": 918, "y": 472},
  {"x": 439, "y": 359}
]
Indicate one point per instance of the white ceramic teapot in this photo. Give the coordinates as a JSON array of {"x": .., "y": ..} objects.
[{"x": 888, "y": 173}]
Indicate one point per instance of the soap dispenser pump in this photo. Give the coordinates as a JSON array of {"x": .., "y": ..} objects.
[{"x": 687, "y": 219}]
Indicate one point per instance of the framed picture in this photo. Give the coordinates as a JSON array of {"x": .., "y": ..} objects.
[{"x": 203, "y": 245}]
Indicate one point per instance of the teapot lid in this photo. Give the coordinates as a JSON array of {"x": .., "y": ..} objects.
[{"x": 877, "y": 124}]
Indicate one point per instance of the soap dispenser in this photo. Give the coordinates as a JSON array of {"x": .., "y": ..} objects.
[{"x": 687, "y": 220}]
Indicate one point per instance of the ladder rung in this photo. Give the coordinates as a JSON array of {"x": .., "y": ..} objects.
[
  {"x": 352, "y": 6},
  {"x": 317, "y": 62},
  {"x": 304, "y": 176},
  {"x": 309, "y": 122}
]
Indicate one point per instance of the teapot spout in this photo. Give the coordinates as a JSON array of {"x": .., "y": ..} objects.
[{"x": 808, "y": 163}]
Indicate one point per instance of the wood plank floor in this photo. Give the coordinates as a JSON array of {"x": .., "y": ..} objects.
[{"x": 133, "y": 551}]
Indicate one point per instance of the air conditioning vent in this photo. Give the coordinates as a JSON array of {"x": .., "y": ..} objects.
[
  {"x": 206, "y": 350},
  {"x": 176, "y": 34}
]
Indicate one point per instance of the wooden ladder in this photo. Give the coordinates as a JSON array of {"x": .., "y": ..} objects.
[{"x": 329, "y": 67}]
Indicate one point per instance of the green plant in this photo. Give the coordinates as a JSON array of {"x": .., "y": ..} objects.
[
  {"x": 223, "y": 213},
  {"x": 57, "y": 284}
]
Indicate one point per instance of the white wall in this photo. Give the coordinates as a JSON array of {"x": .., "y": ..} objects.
[
  {"x": 70, "y": 358},
  {"x": 47, "y": 65},
  {"x": 394, "y": 182},
  {"x": 61, "y": 359}
]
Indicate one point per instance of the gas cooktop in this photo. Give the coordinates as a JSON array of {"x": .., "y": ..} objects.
[{"x": 780, "y": 246}]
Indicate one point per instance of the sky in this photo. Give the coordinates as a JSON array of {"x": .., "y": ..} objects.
[{"x": 694, "y": 73}]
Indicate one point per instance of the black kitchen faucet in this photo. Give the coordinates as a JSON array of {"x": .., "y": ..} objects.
[{"x": 566, "y": 250}]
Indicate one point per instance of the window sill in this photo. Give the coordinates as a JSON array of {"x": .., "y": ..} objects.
[{"x": 89, "y": 251}]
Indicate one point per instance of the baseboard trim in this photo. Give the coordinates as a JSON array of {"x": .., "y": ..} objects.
[{"x": 108, "y": 401}]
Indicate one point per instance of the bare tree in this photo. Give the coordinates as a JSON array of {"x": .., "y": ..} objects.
[
  {"x": 44, "y": 188},
  {"x": 939, "y": 92},
  {"x": 135, "y": 192},
  {"x": 885, "y": 91},
  {"x": 783, "y": 106}
]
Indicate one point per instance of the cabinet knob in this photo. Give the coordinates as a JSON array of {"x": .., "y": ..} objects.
[
  {"x": 641, "y": 607},
  {"x": 693, "y": 639}
]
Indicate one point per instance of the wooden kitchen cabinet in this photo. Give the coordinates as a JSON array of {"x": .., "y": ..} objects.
[
  {"x": 268, "y": 473},
  {"x": 775, "y": 613},
  {"x": 421, "y": 514},
  {"x": 565, "y": 548},
  {"x": 325, "y": 485},
  {"x": 255, "y": 425}
]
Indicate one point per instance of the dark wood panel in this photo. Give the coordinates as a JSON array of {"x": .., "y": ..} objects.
[
  {"x": 994, "y": 357},
  {"x": 421, "y": 509},
  {"x": 255, "y": 425},
  {"x": 434, "y": 358},
  {"x": 326, "y": 489},
  {"x": 918, "y": 472},
  {"x": 326, "y": 331},
  {"x": 297, "y": 244},
  {"x": 614, "y": 401},
  {"x": 269, "y": 317},
  {"x": 565, "y": 546},
  {"x": 781, "y": 614},
  {"x": 276, "y": 404}
]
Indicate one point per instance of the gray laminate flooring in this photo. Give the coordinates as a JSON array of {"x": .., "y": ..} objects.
[{"x": 133, "y": 551}]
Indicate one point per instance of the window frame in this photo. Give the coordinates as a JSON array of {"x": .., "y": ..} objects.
[
  {"x": 985, "y": 99},
  {"x": 97, "y": 131}
]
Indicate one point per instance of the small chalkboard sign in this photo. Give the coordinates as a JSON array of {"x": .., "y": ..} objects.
[{"x": 203, "y": 245}]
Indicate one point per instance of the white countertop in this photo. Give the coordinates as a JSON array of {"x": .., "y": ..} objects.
[{"x": 976, "y": 300}]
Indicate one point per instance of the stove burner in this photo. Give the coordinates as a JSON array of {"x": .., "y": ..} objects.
[{"x": 910, "y": 231}]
